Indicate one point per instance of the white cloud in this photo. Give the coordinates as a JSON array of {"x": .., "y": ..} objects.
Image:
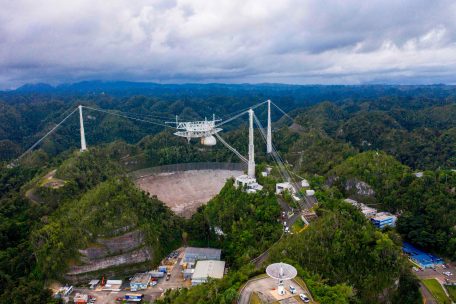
[{"x": 228, "y": 41}]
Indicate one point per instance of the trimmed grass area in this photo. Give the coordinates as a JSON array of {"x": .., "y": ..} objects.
[
  {"x": 297, "y": 226},
  {"x": 255, "y": 299},
  {"x": 452, "y": 291},
  {"x": 437, "y": 291}
]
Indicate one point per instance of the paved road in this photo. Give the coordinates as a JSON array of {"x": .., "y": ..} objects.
[
  {"x": 258, "y": 261},
  {"x": 286, "y": 208},
  {"x": 438, "y": 274},
  {"x": 427, "y": 296}
]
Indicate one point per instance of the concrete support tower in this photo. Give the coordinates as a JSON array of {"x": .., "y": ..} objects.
[
  {"x": 251, "y": 164},
  {"x": 269, "y": 132},
  {"x": 81, "y": 124}
]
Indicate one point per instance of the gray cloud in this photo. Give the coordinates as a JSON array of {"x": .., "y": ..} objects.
[{"x": 228, "y": 41}]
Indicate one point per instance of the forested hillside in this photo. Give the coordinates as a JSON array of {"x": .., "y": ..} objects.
[
  {"x": 427, "y": 204},
  {"x": 362, "y": 142},
  {"x": 344, "y": 248},
  {"x": 416, "y": 124}
]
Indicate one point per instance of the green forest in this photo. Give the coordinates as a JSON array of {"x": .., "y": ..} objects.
[{"x": 339, "y": 137}]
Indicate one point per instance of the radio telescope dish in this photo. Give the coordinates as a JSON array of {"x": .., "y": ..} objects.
[{"x": 281, "y": 272}]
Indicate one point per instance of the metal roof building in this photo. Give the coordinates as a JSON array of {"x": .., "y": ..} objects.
[
  {"x": 140, "y": 281},
  {"x": 193, "y": 254},
  {"x": 113, "y": 285},
  {"x": 208, "y": 269},
  {"x": 423, "y": 259}
]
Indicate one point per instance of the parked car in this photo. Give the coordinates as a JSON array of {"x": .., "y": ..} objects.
[
  {"x": 287, "y": 229},
  {"x": 304, "y": 298},
  {"x": 292, "y": 289}
]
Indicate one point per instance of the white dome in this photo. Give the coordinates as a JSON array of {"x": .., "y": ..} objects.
[{"x": 208, "y": 141}]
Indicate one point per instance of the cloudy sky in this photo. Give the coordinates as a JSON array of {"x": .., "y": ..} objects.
[{"x": 286, "y": 41}]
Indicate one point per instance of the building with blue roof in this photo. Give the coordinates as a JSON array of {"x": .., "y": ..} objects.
[{"x": 423, "y": 259}]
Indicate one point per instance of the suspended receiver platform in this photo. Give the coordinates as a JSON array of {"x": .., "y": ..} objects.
[{"x": 204, "y": 129}]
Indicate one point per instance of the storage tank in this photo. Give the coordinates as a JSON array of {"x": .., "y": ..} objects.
[{"x": 208, "y": 141}]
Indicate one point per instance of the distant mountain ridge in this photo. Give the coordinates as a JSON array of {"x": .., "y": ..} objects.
[{"x": 316, "y": 92}]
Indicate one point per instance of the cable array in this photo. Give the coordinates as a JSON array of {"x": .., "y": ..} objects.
[
  {"x": 129, "y": 117},
  {"x": 245, "y": 160},
  {"x": 46, "y": 135},
  {"x": 134, "y": 116}
]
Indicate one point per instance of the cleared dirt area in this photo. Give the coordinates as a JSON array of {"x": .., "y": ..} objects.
[{"x": 185, "y": 191}]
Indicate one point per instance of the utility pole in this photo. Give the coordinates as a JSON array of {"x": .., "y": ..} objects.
[
  {"x": 269, "y": 132},
  {"x": 251, "y": 164},
  {"x": 81, "y": 124}
]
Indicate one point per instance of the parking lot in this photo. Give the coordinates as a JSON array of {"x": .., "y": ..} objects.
[
  {"x": 174, "y": 281},
  {"x": 266, "y": 289},
  {"x": 438, "y": 273}
]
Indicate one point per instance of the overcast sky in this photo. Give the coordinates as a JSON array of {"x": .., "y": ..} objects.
[{"x": 304, "y": 41}]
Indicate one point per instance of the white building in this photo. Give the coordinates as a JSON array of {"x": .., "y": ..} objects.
[
  {"x": 208, "y": 269},
  {"x": 419, "y": 174},
  {"x": 305, "y": 183},
  {"x": 113, "y": 285},
  {"x": 280, "y": 187},
  {"x": 248, "y": 182},
  {"x": 310, "y": 192},
  {"x": 367, "y": 211}
]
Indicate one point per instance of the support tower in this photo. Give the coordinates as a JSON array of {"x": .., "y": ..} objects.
[
  {"x": 269, "y": 132},
  {"x": 251, "y": 164},
  {"x": 81, "y": 124}
]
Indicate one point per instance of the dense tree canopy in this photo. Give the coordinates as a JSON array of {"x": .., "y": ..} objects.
[{"x": 340, "y": 137}]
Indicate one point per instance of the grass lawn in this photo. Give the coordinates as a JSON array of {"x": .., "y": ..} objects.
[
  {"x": 297, "y": 226},
  {"x": 452, "y": 291},
  {"x": 437, "y": 291}
]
